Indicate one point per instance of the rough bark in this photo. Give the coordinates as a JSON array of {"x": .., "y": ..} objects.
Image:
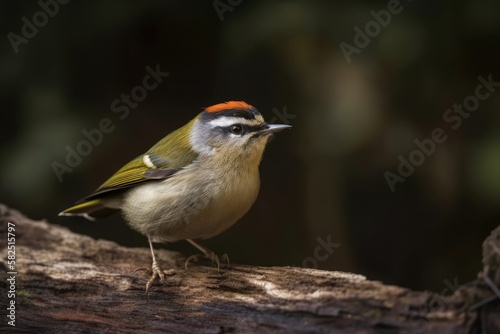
[{"x": 67, "y": 282}]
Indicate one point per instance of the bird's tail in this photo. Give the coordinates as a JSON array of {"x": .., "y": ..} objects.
[{"x": 92, "y": 210}]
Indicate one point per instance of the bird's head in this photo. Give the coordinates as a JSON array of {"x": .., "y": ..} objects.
[{"x": 232, "y": 128}]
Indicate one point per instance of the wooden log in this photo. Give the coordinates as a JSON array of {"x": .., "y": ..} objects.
[{"x": 66, "y": 283}]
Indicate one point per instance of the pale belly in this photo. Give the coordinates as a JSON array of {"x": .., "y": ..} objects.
[{"x": 174, "y": 209}]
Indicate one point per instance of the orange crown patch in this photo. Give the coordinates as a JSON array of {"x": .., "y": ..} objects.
[{"x": 228, "y": 106}]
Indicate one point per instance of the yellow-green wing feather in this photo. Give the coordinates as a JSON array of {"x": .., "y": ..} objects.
[
  {"x": 163, "y": 159},
  {"x": 172, "y": 152},
  {"x": 130, "y": 174}
]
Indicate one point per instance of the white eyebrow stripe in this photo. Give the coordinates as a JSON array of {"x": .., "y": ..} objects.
[{"x": 226, "y": 121}]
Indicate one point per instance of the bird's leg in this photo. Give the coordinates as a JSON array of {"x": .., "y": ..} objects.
[
  {"x": 207, "y": 253},
  {"x": 155, "y": 269}
]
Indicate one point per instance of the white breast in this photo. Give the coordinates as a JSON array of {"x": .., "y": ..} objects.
[{"x": 194, "y": 203}]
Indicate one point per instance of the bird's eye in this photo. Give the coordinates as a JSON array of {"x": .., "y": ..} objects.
[{"x": 237, "y": 129}]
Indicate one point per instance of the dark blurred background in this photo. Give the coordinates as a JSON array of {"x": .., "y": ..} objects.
[{"x": 352, "y": 119}]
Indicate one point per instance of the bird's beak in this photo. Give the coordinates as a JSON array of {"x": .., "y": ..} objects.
[{"x": 272, "y": 128}]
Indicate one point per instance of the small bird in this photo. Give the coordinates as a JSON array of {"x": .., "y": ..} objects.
[{"x": 193, "y": 184}]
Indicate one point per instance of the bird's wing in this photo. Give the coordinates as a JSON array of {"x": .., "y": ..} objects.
[
  {"x": 144, "y": 168},
  {"x": 176, "y": 153}
]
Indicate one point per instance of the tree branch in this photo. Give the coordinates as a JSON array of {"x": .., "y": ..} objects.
[{"x": 67, "y": 282}]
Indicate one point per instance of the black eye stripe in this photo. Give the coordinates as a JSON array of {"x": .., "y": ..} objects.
[
  {"x": 255, "y": 128},
  {"x": 246, "y": 128}
]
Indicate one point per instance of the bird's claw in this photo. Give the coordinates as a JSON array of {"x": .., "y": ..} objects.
[
  {"x": 157, "y": 272},
  {"x": 194, "y": 258},
  {"x": 225, "y": 258},
  {"x": 210, "y": 256}
]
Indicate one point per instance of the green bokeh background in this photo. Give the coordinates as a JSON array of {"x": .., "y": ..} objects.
[{"x": 323, "y": 178}]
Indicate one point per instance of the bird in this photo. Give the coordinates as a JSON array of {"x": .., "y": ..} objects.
[{"x": 193, "y": 184}]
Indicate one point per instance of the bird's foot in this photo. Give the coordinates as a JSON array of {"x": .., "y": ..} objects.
[
  {"x": 209, "y": 256},
  {"x": 157, "y": 272}
]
